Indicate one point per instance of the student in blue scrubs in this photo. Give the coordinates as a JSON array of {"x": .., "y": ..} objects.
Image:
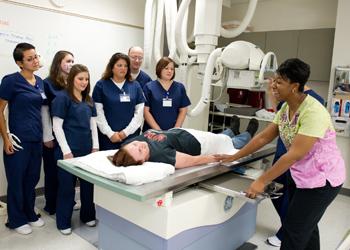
[
  {"x": 23, "y": 92},
  {"x": 136, "y": 58},
  {"x": 56, "y": 81},
  {"x": 166, "y": 100},
  {"x": 75, "y": 129},
  {"x": 281, "y": 204},
  {"x": 119, "y": 103}
]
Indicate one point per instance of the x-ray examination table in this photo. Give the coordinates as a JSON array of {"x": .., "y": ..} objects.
[{"x": 196, "y": 208}]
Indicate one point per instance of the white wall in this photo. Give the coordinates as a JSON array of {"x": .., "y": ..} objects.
[
  {"x": 341, "y": 56},
  {"x": 286, "y": 14},
  {"x": 126, "y": 14}
]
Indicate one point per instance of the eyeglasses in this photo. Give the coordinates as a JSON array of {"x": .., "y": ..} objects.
[
  {"x": 136, "y": 58},
  {"x": 31, "y": 59}
]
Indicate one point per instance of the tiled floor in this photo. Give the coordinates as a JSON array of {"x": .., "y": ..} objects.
[{"x": 333, "y": 226}]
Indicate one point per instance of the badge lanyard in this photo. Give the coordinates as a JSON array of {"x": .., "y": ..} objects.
[
  {"x": 124, "y": 97},
  {"x": 42, "y": 93},
  {"x": 167, "y": 102}
]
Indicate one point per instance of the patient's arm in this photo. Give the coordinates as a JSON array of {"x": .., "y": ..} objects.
[{"x": 185, "y": 160}]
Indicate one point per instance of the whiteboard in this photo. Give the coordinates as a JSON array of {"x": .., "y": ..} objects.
[{"x": 91, "y": 41}]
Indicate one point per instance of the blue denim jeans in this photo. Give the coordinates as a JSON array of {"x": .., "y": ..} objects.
[{"x": 239, "y": 141}]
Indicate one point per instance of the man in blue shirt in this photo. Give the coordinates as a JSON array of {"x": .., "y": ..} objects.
[{"x": 136, "y": 58}]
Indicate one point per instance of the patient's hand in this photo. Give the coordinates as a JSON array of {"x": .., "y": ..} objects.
[
  {"x": 210, "y": 158},
  {"x": 225, "y": 158}
]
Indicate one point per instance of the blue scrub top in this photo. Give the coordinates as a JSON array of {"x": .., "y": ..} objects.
[
  {"x": 118, "y": 114},
  {"x": 280, "y": 148},
  {"x": 165, "y": 116},
  {"x": 51, "y": 91},
  {"x": 24, "y": 102},
  {"x": 143, "y": 78},
  {"x": 76, "y": 120}
]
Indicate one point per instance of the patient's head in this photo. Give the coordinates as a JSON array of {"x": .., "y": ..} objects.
[{"x": 133, "y": 153}]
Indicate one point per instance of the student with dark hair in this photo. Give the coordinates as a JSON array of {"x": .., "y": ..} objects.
[
  {"x": 282, "y": 202},
  {"x": 23, "y": 92},
  {"x": 75, "y": 129},
  {"x": 166, "y": 99},
  {"x": 135, "y": 54},
  {"x": 56, "y": 81},
  {"x": 307, "y": 132},
  {"x": 119, "y": 103}
]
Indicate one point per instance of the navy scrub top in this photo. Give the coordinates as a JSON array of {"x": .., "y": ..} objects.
[
  {"x": 76, "y": 121},
  {"x": 165, "y": 116},
  {"x": 24, "y": 103},
  {"x": 118, "y": 114},
  {"x": 51, "y": 91},
  {"x": 143, "y": 78}
]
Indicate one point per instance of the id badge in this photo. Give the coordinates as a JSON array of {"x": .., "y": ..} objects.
[
  {"x": 124, "y": 98},
  {"x": 42, "y": 93},
  {"x": 167, "y": 102}
]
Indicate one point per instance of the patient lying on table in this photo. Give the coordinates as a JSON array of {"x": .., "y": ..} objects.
[{"x": 183, "y": 147}]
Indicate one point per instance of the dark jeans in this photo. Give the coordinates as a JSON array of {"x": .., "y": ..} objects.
[{"x": 306, "y": 208}]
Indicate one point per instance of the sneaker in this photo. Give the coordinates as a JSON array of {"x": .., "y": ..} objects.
[
  {"x": 253, "y": 126},
  {"x": 234, "y": 124},
  {"x": 38, "y": 223},
  {"x": 77, "y": 206},
  {"x": 274, "y": 241},
  {"x": 66, "y": 231},
  {"x": 91, "y": 223},
  {"x": 24, "y": 229}
]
